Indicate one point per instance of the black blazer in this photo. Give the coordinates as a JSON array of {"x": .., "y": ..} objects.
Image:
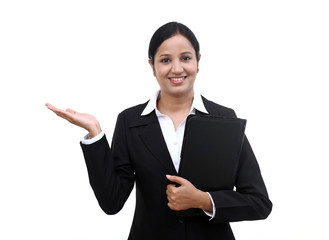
[{"x": 139, "y": 154}]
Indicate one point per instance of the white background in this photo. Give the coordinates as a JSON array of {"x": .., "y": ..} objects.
[{"x": 266, "y": 59}]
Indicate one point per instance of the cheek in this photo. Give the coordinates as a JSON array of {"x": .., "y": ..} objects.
[
  {"x": 192, "y": 70},
  {"x": 161, "y": 72}
]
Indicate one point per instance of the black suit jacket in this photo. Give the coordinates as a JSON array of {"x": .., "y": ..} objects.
[{"x": 139, "y": 155}]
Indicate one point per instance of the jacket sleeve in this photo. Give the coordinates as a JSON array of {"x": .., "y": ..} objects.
[
  {"x": 249, "y": 200},
  {"x": 110, "y": 171}
]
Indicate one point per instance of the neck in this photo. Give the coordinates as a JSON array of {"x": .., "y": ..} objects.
[{"x": 168, "y": 104}]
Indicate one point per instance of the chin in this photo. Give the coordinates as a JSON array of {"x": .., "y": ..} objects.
[{"x": 182, "y": 92}]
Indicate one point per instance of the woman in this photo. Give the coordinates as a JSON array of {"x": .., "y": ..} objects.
[{"x": 146, "y": 149}]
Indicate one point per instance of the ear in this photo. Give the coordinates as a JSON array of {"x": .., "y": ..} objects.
[{"x": 152, "y": 66}]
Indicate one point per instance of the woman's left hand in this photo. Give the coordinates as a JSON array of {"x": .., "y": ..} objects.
[{"x": 186, "y": 195}]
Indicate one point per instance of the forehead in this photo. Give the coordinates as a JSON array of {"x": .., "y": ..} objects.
[{"x": 175, "y": 45}]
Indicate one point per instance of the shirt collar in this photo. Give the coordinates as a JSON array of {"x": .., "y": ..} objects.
[{"x": 152, "y": 104}]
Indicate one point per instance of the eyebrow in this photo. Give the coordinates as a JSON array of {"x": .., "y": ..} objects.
[{"x": 167, "y": 54}]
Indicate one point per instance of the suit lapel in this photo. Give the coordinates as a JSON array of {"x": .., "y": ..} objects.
[
  {"x": 151, "y": 136},
  {"x": 153, "y": 139}
]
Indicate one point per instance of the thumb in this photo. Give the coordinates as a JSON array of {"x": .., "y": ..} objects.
[
  {"x": 177, "y": 179},
  {"x": 70, "y": 110}
]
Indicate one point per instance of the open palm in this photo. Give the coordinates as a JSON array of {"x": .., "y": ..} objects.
[{"x": 83, "y": 120}]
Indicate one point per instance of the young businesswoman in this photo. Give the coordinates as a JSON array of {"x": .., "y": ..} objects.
[{"x": 146, "y": 149}]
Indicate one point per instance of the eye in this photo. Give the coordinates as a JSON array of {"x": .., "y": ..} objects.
[
  {"x": 186, "y": 58},
  {"x": 165, "y": 60}
]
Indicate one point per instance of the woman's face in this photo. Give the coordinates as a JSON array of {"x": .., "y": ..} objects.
[{"x": 175, "y": 66}]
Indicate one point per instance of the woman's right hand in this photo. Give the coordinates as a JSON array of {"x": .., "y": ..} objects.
[{"x": 83, "y": 120}]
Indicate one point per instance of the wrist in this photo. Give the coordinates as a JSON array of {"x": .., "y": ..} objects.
[
  {"x": 205, "y": 202},
  {"x": 94, "y": 130}
]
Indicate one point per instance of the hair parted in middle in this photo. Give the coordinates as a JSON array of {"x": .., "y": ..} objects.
[{"x": 167, "y": 31}]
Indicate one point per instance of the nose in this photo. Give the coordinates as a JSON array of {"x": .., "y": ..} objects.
[{"x": 177, "y": 67}]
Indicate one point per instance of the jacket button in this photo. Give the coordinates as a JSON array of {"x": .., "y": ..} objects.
[{"x": 181, "y": 220}]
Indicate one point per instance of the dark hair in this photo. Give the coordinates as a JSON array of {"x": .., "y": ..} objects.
[{"x": 167, "y": 31}]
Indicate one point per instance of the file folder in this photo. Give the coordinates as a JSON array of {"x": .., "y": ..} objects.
[
  {"x": 210, "y": 153},
  {"x": 211, "y": 150}
]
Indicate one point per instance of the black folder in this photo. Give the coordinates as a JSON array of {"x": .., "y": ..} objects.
[{"x": 210, "y": 152}]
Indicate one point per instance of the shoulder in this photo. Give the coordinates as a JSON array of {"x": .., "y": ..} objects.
[
  {"x": 217, "y": 109},
  {"x": 134, "y": 111},
  {"x": 132, "y": 116}
]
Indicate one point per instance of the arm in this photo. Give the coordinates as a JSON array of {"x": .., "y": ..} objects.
[
  {"x": 111, "y": 178},
  {"x": 250, "y": 200},
  {"x": 110, "y": 171}
]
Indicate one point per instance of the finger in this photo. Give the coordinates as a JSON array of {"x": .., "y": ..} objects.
[
  {"x": 171, "y": 190},
  {"x": 70, "y": 110},
  {"x": 49, "y": 106},
  {"x": 171, "y": 206},
  {"x": 61, "y": 113},
  {"x": 169, "y": 198},
  {"x": 66, "y": 116},
  {"x": 54, "y": 109},
  {"x": 174, "y": 207},
  {"x": 177, "y": 179},
  {"x": 171, "y": 186}
]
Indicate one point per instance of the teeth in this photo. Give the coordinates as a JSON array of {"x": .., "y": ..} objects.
[{"x": 177, "y": 79}]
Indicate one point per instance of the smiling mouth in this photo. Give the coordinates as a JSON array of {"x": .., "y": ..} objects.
[{"x": 177, "y": 80}]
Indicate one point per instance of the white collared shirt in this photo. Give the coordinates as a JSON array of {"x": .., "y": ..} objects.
[{"x": 173, "y": 139}]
